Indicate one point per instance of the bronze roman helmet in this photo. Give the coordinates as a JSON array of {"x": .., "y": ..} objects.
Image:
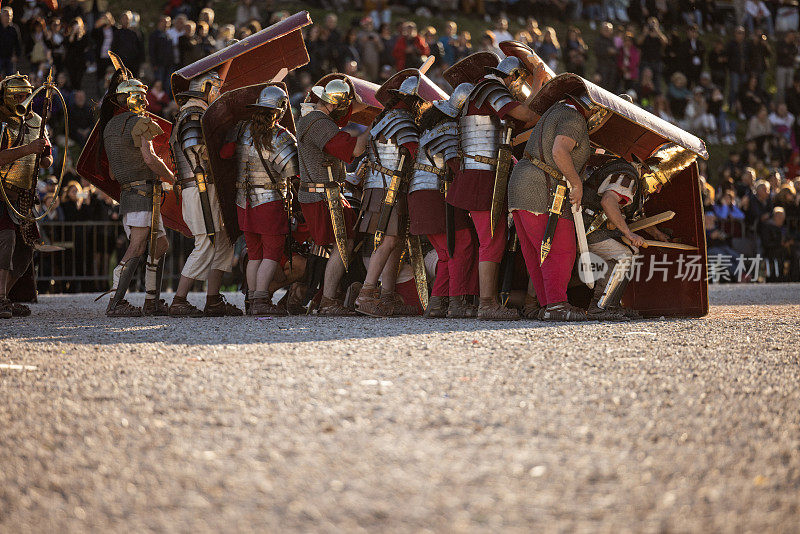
[
  {"x": 14, "y": 90},
  {"x": 513, "y": 66},
  {"x": 337, "y": 93},
  {"x": 132, "y": 94}
]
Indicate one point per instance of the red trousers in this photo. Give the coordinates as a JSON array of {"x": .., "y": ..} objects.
[
  {"x": 263, "y": 246},
  {"x": 491, "y": 248},
  {"x": 458, "y": 275},
  {"x": 550, "y": 278}
]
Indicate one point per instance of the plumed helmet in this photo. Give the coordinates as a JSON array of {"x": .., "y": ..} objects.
[
  {"x": 336, "y": 92},
  {"x": 453, "y": 105},
  {"x": 510, "y": 66},
  {"x": 132, "y": 94},
  {"x": 272, "y": 97},
  {"x": 209, "y": 83}
]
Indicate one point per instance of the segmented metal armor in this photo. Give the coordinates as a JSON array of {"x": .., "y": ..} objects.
[
  {"x": 188, "y": 145},
  {"x": 614, "y": 169},
  {"x": 253, "y": 182},
  {"x": 436, "y": 147},
  {"x": 480, "y": 136},
  {"x": 396, "y": 128}
]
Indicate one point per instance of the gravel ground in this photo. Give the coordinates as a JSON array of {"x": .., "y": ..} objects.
[{"x": 312, "y": 424}]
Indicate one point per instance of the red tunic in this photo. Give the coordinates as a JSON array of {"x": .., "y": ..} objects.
[
  {"x": 472, "y": 189},
  {"x": 266, "y": 219}
]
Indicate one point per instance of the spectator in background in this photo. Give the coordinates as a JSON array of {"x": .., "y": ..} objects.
[
  {"x": 103, "y": 37},
  {"x": 719, "y": 243},
  {"x": 81, "y": 118},
  {"x": 410, "y": 48},
  {"x": 207, "y": 15},
  {"x": 488, "y": 43},
  {"x": 501, "y": 32},
  {"x": 350, "y": 48},
  {"x": 246, "y": 11},
  {"x": 38, "y": 53},
  {"x": 777, "y": 244},
  {"x": 550, "y": 49},
  {"x": 128, "y": 43},
  {"x": 207, "y": 42},
  {"x": 692, "y": 54},
  {"x": 189, "y": 49},
  {"x": 435, "y": 47},
  {"x": 737, "y": 65},
  {"x": 661, "y": 108},
  {"x": 727, "y": 208},
  {"x": 448, "y": 42},
  {"x": 698, "y": 120},
  {"x": 678, "y": 94},
  {"x": 77, "y": 47},
  {"x": 651, "y": 43},
  {"x": 718, "y": 64},
  {"x": 628, "y": 62},
  {"x": 757, "y": 15},
  {"x": 751, "y": 97},
  {"x": 370, "y": 47},
  {"x": 575, "y": 52},
  {"x": 463, "y": 45},
  {"x": 646, "y": 89},
  {"x": 759, "y": 205},
  {"x": 10, "y": 42},
  {"x": 54, "y": 39},
  {"x": 388, "y": 40},
  {"x": 758, "y": 54},
  {"x": 786, "y": 16},
  {"x": 606, "y": 54},
  {"x": 785, "y": 56},
  {"x": 161, "y": 50},
  {"x": 226, "y": 36},
  {"x": 782, "y": 122},
  {"x": 333, "y": 42},
  {"x": 157, "y": 98}
]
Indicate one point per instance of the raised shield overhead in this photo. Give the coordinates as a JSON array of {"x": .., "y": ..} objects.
[
  {"x": 254, "y": 59},
  {"x": 540, "y": 72},
  {"x": 365, "y": 106},
  {"x": 626, "y": 130},
  {"x": 219, "y": 119},
  {"x": 470, "y": 69},
  {"x": 96, "y": 172},
  {"x": 426, "y": 89}
]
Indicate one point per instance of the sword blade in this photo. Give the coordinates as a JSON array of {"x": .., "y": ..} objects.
[
  {"x": 583, "y": 247},
  {"x": 651, "y": 221}
]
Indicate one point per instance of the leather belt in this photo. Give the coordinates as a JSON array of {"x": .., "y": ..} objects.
[
  {"x": 429, "y": 168},
  {"x": 316, "y": 187},
  {"x": 544, "y": 166},
  {"x": 248, "y": 186},
  {"x": 130, "y": 187},
  {"x": 381, "y": 169},
  {"x": 479, "y": 159}
]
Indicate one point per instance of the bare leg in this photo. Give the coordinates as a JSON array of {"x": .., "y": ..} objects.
[
  {"x": 184, "y": 286},
  {"x": 389, "y": 273},
  {"x": 252, "y": 274},
  {"x": 379, "y": 260},
  {"x": 266, "y": 272},
  {"x": 334, "y": 270},
  {"x": 214, "y": 282},
  {"x": 488, "y": 272}
]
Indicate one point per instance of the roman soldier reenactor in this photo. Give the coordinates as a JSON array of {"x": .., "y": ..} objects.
[
  {"x": 212, "y": 255},
  {"x": 266, "y": 163},
  {"x": 127, "y": 134},
  {"x": 324, "y": 150},
  {"x": 20, "y": 149},
  {"x": 555, "y": 154},
  {"x": 484, "y": 129},
  {"x": 394, "y": 138},
  {"x": 456, "y": 282}
]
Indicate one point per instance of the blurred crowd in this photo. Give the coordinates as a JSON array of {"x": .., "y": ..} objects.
[{"x": 725, "y": 71}]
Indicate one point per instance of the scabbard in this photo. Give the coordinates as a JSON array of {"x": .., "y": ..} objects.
[
  {"x": 507, "y": 267},
  {"x": 389, "y": 200},
  {"x": 205, "y": 204},
  {"x": 154, "y": 216},
  {"x": 556, "y": 205},
  {"x": 334, "y": 197},
  {"x": 501, "y": 174},
  {"x": 500, "y": 188},
  {"x": 418, "y": 265}
]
